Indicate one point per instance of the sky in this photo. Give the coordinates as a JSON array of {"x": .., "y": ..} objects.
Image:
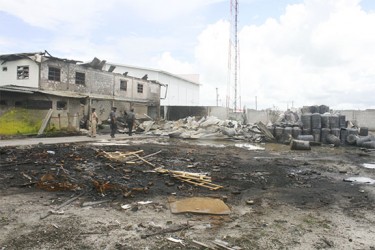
[{"x": 291, "y": 53}]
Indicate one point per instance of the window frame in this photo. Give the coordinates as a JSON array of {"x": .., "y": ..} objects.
[
  {"x": 23, "y": 71},
  {"x": 123, "y": 85},
  {"x": 53, "y": 77},
  {"x": 61, "y": 105},
  {"x": 139, "y": 87},
  {"x": 80, "y": 81}
]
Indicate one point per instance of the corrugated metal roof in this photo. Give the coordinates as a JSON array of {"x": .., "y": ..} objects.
[
  {"x": 63, "y": 93},
  {"x": 154, "y": 70},
  {"x": 18, "y": 89}
]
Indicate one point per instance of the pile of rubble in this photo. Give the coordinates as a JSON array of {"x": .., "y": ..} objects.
[
  {"x": 314, "y": 124},
  {"x": 209, "y": 127}
]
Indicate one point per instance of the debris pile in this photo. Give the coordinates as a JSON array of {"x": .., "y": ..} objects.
[{"x": 209, "y": 127}]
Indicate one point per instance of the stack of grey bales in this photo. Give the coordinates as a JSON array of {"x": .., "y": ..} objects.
[
  {"x": 318, "y": 125},
  {"x": 329, "y": 128}
]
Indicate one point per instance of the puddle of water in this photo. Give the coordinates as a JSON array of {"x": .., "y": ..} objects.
[
  {"x": 109, "y": 143},
  {"x": 248, "y": 146},
  {"x": 211, "y": 145},
  {"x": 139, "y": 142},
  {"x": 360, "y": 180},
  {"x": 369, "y": 165}
]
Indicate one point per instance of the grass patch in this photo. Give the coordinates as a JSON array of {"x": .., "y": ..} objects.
[{"x": 20, "y": 121}]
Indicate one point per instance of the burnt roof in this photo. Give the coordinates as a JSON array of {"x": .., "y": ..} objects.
[{"x": 17, "y": 56}]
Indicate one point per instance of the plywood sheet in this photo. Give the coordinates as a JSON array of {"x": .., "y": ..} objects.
[{"x": 200, "y": 205}]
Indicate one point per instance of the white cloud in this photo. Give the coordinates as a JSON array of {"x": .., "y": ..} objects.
[
  {"x": 163, "y": 10},
  {"x": 318, "y": 52},
  {"x": 167, "y": 63},
  {"x": 68, "y": 16}
]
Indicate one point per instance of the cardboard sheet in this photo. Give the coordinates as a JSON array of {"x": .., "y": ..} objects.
[{"x": 200, "y": 205}]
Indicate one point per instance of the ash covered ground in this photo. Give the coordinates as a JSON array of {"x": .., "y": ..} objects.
[{"x": 279, "y": 199}]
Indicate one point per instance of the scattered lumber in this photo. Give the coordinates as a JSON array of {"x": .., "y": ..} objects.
[
  {"x": 225, "y": 245},
  {"x": 196, "y": 179},
  {"x": 203, "y": 245},
  {"x": 167, "y": 230},
  {"x": 61, "y": 206},
  {"x": 92, "y": 203},
  {"x": 119, "y": 156},
  {"x": 149, "y": 163}
]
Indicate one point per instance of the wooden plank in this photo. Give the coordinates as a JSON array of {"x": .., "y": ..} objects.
[
  {"x": 202, "y": 178},
  {"x": 192, "y": 178},
  {"x": 203, "y": 244},
  {"x": 61, "y": 206},
  {"x": 45, "y": 122},
  {"x": 149, "y": 163},
  {"x": 206, "y": 185}
]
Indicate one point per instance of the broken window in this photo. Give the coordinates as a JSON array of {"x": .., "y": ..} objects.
[
  {"x": 54, "y": 74},
  {"x": 80, "y": 78},
  {"x": 123, "y": 85},
  {"x": 140, "y": 88},
  {"x": 5, "y": 68},
  {"x": 18, "y": 104},
  {"x": 22, "y": 72},
  {"x": 61, "y": 105}
]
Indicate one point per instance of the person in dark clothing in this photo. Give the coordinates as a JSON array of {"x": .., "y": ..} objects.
[
  {"x": 113, "y": 122},
  {"x": 130, "y": 118}
]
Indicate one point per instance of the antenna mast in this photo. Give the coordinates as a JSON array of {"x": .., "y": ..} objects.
[{"x": 234, "y": 42}]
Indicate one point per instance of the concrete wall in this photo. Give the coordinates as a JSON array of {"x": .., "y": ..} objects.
[
  {"x": 8, "y": 73},
  {"x": 254, "y": 116},
  {"x": 219, "y": 112},
  {"x": 363, "y": 118}
]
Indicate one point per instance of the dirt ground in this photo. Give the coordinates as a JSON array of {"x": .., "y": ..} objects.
[{"x": 279, "y": 199}]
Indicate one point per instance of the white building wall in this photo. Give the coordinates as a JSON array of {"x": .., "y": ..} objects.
[
  {"x": 180, "y": 92},
  {"x": 9, "y": 76}
]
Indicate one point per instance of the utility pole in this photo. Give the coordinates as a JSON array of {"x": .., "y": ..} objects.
[{"x": 217, "y": 97}]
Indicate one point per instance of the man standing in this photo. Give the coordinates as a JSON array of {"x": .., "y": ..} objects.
[
  {"x": 113, "y": 122},
  {"x": 130, "y": 118},
  {"x": 94, "y": 122}
]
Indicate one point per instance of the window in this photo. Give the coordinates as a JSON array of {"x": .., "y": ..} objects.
[
  {"x": 123, "y": 85},
  {"x": 140, "y": 88},
  {"x": 54, "y": 74},
  {"x": 3, "y": 103},
  {"x": 22, "y": 72},
  {"x": 61, "y": 105},
  {"x": 80, "y": 78},
  {"x": 5, "y": 68}
]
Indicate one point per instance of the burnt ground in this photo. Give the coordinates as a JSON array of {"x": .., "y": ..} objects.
[{"x": 279, "y": 199}]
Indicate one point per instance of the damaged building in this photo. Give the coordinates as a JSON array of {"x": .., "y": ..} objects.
[
  {"x": 66, "y": 90},
  {"x": 180, "y": 97}
]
